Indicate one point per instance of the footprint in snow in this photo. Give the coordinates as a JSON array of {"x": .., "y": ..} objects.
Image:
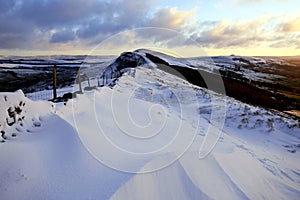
[{"x": 291, "y": 148}]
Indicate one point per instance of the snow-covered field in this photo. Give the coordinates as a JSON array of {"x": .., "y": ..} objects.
[{"x": 152, "y": 136}]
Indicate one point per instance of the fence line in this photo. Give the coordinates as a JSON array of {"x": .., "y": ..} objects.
[
  {"x": 81, "y": 83},
  {"x": 40, "y": 95}
]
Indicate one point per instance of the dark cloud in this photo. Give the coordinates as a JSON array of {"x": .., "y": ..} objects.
[
  {"x": 120, "y": 17},
  {"x": 62, "y": 36},
  {"x": 58, "y": 13},
  {"x": 6, "y": 6},
  {"x": 91, "y": 19},
  {"x": 95, "y": 27},
  {"x": 15, "y": 33}
]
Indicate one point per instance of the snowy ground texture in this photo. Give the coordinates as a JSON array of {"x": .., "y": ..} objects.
[{"x": 143, "y": 139}]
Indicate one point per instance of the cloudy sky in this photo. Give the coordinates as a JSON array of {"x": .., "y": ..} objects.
[{"x": 192, "y": 27}]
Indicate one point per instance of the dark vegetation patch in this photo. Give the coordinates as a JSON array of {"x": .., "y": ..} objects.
[{"x": 32, "y": 79}]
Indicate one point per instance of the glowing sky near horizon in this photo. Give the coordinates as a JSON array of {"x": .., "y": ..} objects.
[{"x": 188, "y": 27}]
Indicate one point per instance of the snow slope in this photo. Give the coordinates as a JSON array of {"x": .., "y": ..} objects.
[{"x": 142, "y": 140}]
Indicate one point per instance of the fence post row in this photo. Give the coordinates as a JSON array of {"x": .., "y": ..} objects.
[{"x": 78, "y": 80}]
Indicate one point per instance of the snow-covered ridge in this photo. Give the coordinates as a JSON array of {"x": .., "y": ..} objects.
[
  {"x": 249, "y": 79},
  {"x": 256, "y": 157},
  {"x": 275, "y": 77},
  {"x": 149, "y": 85}
]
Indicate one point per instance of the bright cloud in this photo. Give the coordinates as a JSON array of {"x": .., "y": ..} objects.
[
  {"x": 171, "y": 18},
  {"x": 292, "y": 25},
  {"x": 226, "y": 34}
]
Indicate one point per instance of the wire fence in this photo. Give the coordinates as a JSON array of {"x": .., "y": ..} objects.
[
  {"x": 47, "y": 94},
  {"x": 40, "y": 95},
  {"x": 81, "y": 83}
]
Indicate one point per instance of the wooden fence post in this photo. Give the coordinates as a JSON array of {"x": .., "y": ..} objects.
[
  {"x": 54, "y": 82},
  {"x": 88, "y": 81},
  {"x": 79, "y": 80}
]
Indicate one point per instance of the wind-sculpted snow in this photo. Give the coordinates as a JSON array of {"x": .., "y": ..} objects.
[
  {"x": 19, "y": 114},
  {"x": 141, "y": 140}
]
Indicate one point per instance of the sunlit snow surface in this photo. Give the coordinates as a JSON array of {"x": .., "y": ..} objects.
[{"x": 141, "y": 140}]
